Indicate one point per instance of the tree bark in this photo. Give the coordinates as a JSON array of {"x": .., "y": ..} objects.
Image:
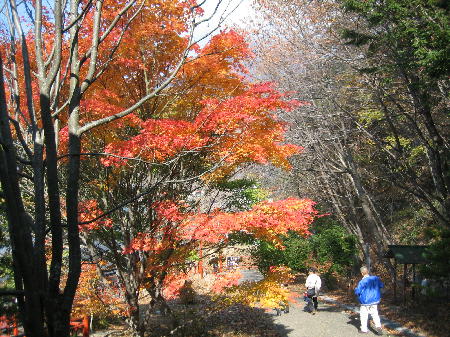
[{"x": 19, "y": 224}]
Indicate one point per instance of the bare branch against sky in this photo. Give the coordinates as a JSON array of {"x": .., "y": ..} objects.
[{"x": 232, "y": 12}]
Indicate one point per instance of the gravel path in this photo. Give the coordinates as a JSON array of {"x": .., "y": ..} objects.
[
  {"x": 329, "y": 321},
  {"x": 332, "y": 319},
  {"x": 250, "y": 275}
]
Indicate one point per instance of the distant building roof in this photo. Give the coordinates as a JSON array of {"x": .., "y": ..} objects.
[{"x": 407, "y": 254}]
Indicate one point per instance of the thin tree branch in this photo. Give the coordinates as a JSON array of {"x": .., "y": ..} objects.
[{"x": 77, "y": 19}]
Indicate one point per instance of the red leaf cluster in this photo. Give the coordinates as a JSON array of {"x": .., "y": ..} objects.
[
  {"x": 237, "y": 130},
  {"x": 266, "y": 220},
  {"x": 226, "y": 280},
  {"x": 89, "y": 210}
]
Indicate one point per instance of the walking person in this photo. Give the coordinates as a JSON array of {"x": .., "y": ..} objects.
[
  {"x": 369, "y": 295},
  {"x": 313, "y": 284}
]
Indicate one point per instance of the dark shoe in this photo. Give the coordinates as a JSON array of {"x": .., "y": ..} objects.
[{"x": 379, "y": 331}]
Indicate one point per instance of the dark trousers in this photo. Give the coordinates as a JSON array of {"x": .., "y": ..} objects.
[{"x": 314, "y": 300}]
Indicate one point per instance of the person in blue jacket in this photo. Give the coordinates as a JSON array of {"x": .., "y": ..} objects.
[{"x": 369, "y": 295}]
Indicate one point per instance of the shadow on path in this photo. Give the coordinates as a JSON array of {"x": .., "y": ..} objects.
[
  {"x": 240, "y": 319},
  {"x": 354, "y": 320},
  {"x": 329, "y": 309},
  {"x": 195, "y": 320}
]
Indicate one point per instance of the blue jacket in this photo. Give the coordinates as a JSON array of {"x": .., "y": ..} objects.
[{"x": 368, "y": 290}]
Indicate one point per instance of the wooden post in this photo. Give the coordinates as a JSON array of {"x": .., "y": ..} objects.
[
  {"x": 413, "y": 281},
  {"x": 85, "y": 326},
  {"x": 200, "y": 262},
  {"x": 404, "y": 283},
  {"x": 395, "y": 281}
]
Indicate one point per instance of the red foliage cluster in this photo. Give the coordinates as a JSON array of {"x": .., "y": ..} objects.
[
  {"x": 172, "y": 285},
  {"x": 266, "y": 220},
  {"x": 225, "y": 280},
  {"x": 89, "y": 210},
  {"x": 237, "y": 130}
]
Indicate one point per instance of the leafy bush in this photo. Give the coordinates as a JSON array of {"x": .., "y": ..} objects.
[
  {"x": 297, "y": 252},
  {"x": 329, "y": 246},
  {"x": 266, "y": 255},
  {"x": 334, "y": 245}
]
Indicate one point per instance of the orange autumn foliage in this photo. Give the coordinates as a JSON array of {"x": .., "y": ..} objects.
[
  {"x": 238, "y": 130},
  {"x": 89, "y": 210},
  {"x": 94, "y": 297},
  {"x": 224, "y": 281},
  {"x": 143, "y": 59},
  {"x": 266, "y": 220},
  {"x": 208, "y": 109},
  {"x": 173, "y": 283},
  {"x": 212, "y": 71},
  {"x": 181, "y": 231}
]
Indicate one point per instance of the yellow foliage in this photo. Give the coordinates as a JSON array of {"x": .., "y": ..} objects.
[
  {"x": 93, "y": 297},
  {"x": 268, "y": 293}
]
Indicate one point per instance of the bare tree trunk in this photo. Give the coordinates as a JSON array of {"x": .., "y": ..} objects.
[
  {"x": 376, "y": 223},
  {"x": 380, "y": 236},
  {"x": 134, "y": 320},
  {"x": 437, "y": 151},
  {"x": 343, "y": 216},
  {"x": 19, "y": 224}
]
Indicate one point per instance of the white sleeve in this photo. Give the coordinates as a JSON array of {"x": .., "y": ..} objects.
[
  {"x": 318, "y": 283},
  {"x": 308, "y": 282}
]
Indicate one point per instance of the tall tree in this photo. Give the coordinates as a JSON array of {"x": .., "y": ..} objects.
[
  {"x": 407, "y": 47},
  {"x": 51, "y": 58},
  {"x": 309, "y": 48},
  {"x": 185, "y": 157},
  {"x": 367, "y": 144}
]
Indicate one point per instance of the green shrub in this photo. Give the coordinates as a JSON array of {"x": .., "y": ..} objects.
[
  {"x": 334, "y": 244},
  {"x": 297, "y": 253},
  {"x": 329, "y": 245},
  {"x": 266, "y": 255}
]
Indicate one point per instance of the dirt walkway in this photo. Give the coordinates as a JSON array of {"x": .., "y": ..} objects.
[{"x": 331, "y": 320}]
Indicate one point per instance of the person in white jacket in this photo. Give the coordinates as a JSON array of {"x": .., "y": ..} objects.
[{"x": 313, "y": 284}]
